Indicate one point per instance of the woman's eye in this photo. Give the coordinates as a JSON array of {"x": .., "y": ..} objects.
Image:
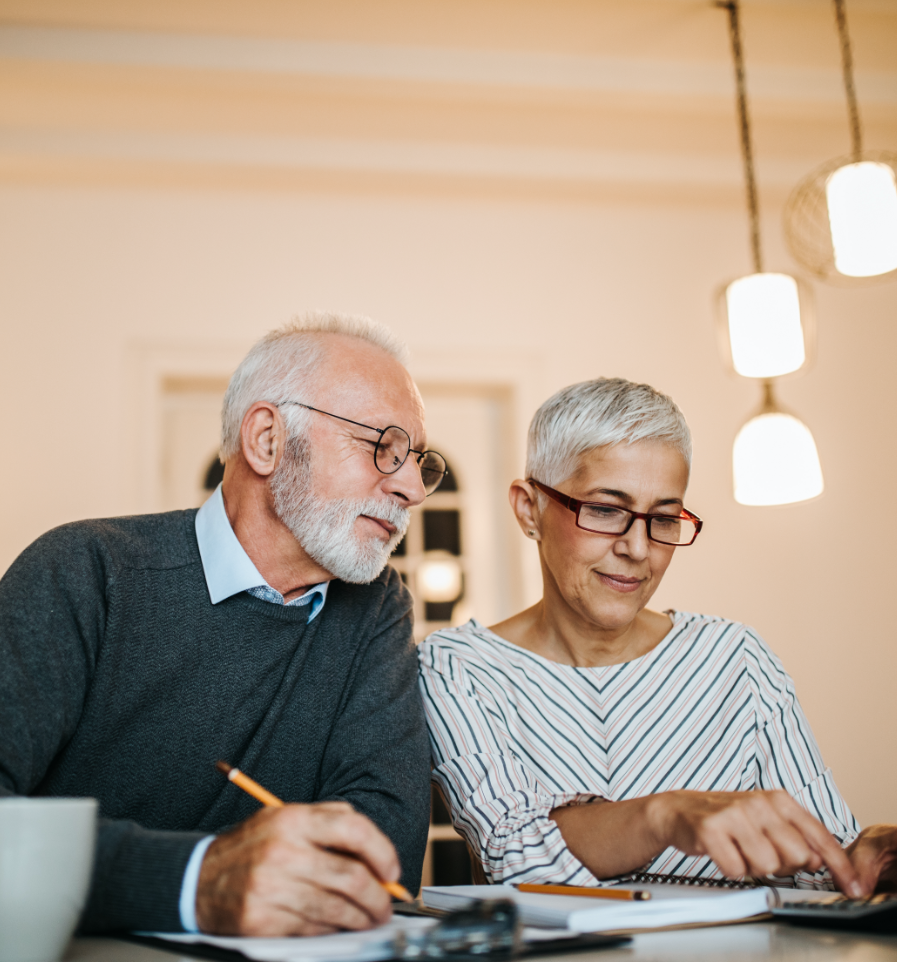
[
  {"x": 665, "y": 522},
  {"x": 603, "y": 511}
]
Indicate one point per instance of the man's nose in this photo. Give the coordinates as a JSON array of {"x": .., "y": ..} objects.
[{"x": 407, "y": 483}]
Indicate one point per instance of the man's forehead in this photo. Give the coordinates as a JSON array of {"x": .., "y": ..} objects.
[{"x": 377, "y": 395}]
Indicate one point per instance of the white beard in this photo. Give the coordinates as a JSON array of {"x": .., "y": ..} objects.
[{"x": 325, "y": 527}]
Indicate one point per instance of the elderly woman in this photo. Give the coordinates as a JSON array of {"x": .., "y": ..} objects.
[{"x": 588, "y": 736}]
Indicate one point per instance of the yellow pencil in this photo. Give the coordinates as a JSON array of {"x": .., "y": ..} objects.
[
  {"x": 628, "y": 895},
  {"x": 252, "y": 787}
]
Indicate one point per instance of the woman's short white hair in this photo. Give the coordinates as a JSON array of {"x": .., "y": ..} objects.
[
  {"x": 591, "y": 414},
  {"x": 282, "y": 366}
]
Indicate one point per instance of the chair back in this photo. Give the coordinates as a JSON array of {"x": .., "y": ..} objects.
[{"x": 476, "y": 868}]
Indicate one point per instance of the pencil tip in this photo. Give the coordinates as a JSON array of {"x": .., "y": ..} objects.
[
  {"x": 223, "y": 767},
  {"x": 398, "y": 891}
]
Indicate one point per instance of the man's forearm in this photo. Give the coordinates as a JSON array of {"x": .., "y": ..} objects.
[
  {"x": 137, "y": 878},
  {"x": 611, "y": 838}
]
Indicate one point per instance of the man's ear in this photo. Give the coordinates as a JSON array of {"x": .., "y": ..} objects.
[
  {"x": 525, "y": 507},
  {"x": 262, "y": 437}
]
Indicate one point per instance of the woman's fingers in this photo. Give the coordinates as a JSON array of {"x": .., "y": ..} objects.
[
  {"x": 746, "y": 826},
  {"x": 722, "y": 849},
  {"x": 826, "y": 846},
  {"x": 794, "y": 852},
  {"x": 761, "y": 833}
]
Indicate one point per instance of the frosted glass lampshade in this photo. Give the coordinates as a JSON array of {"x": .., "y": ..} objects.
[
  {"x": 439, "y": 576},
  {"x": 775, "y": 461},
  {"x": 766, "y": 337},
  {"x": 862, "y": 213}
]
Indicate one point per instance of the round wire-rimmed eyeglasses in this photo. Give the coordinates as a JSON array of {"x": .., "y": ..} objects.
[
  {"x": 678, "y": 531},
  {"x": 392, "y": 450}
]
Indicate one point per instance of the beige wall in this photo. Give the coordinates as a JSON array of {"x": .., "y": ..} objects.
[{"x": 115, "y": 270}]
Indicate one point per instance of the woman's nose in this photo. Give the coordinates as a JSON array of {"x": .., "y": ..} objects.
[{"x": 636, "y": 541}]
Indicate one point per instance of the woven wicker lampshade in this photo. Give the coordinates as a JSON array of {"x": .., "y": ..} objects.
[
  {"x": 808, "y": 230},
  {"x": 841, "y": 219}
]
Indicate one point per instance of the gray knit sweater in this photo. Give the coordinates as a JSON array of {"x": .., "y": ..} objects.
[{"x": 120, "y": 680}]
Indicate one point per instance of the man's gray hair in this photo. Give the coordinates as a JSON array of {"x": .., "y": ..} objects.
[
  {"x": 591, "y": 414},
  {"x": 282, "y": 366}
]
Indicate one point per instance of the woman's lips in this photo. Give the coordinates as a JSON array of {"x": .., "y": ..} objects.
[{"x": 620, "y": 582}]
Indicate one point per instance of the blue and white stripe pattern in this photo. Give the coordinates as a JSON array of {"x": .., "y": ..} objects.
[{"x": 514, "y": 735}]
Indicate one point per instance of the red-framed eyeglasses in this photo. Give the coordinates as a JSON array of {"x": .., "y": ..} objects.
[{"x": 599, "y": 518}]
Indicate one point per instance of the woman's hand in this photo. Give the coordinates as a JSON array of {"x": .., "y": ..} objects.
[
  {"x": 759, "y": 834},
  {"x": 744, "y": 833},
  {"x": 874, "y": 858}
]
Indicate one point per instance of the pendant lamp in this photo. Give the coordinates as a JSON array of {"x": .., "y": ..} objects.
[
  {"x": 841, "y": 220},
  {"x": 764, "y": 322},
  {"x": 766, "y": 331},
  {"x": 774, "y": 458}
]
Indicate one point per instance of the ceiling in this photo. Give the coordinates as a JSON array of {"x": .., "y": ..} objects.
[{"x": 632, "y": 99}]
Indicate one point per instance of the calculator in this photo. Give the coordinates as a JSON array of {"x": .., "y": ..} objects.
[{"x": 875, "y": 914}]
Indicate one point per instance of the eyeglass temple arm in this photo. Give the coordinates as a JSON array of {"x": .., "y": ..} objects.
[
  {"x": 563, "y": 499},
  {"x": 308, "y": 407},
  {"x": 380, "y": 431}
]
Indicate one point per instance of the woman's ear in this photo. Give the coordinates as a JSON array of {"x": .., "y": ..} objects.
[
  {"x": 523, "y": 503},
  {"x": 262, "y": 436}
]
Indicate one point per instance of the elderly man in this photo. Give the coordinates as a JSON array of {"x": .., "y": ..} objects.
[{"x": 264, "y": 629}]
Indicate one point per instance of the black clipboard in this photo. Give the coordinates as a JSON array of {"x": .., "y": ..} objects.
[{"x": 586, "y": 942}]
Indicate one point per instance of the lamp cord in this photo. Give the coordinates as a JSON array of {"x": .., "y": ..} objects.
[
  {"x": 856, "y": 135},
  {"x": 750, "y": 180}
]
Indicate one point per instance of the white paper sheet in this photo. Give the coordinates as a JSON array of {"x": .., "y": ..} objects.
[{"x": 372, "y": 945}]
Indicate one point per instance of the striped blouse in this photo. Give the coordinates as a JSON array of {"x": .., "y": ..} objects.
[{"x": 514, "y": 735}]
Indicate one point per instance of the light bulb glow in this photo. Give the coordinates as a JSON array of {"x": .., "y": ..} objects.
[
  {"x": 862, "y": 213},
  {"x": 765, "y": 332},
  {"x": 775, "y": 461},
  {"x": 439, "y": 577}
]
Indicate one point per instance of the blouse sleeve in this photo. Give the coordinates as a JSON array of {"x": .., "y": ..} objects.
[
  {"x": 787, "y": 754},
  {"x": 498, "y": 804}
]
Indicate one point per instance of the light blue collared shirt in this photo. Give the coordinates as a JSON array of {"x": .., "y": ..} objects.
[{"x": 228, "y": 571}]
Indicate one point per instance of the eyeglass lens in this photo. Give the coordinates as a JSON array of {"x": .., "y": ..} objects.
[
  {"x": 606, "y": 519},
  {"x": 432, "y": 470},
  {"x": 392, "y": 450}
]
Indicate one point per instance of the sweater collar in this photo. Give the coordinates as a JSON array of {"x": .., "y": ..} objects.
[{"x": 229, "y": 570}]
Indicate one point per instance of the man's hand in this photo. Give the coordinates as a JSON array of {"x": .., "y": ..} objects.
[
  {"x": 873, "y": 855},
  {"x": 297, "y": 870},
  {"x": 753, "y": 833}
]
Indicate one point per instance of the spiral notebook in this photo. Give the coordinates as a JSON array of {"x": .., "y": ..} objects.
[
  {"x": 649, "y": 878},
  {"x": 669, "y": 905}
]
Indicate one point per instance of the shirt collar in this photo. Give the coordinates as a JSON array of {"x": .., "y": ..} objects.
[{"x": 227, "y": 568}]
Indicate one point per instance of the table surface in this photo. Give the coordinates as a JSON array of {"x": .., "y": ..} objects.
[{"x": 732, "y": 943}]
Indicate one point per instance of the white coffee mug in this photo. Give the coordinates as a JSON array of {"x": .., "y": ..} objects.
[{"x": 46, "y": 858}]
